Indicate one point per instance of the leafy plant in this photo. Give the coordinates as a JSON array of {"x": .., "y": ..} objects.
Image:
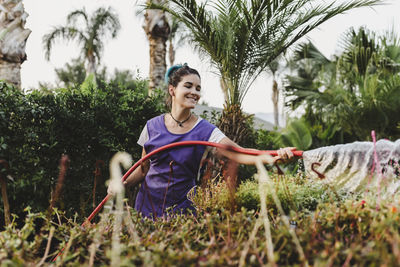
[
  {"x": 294, "y": 193},
  {"x": 296, "y": 134},
  {"x": 348, "y": 96},
  {"x": 88, "y": 125}
]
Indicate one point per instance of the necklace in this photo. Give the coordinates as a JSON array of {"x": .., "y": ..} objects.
[{"x": 181, "y": 122}]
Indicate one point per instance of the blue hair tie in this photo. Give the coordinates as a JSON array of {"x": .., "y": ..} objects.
[{"x": 171, "y": 70}]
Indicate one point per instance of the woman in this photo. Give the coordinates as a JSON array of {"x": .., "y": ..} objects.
[{"x": 168, "y": 176}]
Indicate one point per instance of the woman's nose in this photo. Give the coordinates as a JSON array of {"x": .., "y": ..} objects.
[{"x": 197, "y": 93}]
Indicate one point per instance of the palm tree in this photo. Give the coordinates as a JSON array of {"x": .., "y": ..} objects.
[
  {"x": 307, "y": 61},
  {"x": 102, "y": 23},
  {"x": 157, "y": 30},
  {"x": 176, "y": 38},
  {"x": 241, "y": 38},
  {"x": 273, "y": 67},
  {"x": 13, "y": 38}
]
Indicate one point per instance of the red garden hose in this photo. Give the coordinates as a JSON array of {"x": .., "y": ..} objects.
[
  {"x": 177, "y": 144},
  {"x": 187, "y": 143}
]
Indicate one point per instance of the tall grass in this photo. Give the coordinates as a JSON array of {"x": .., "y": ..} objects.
[{"x": 335, "y": 230}]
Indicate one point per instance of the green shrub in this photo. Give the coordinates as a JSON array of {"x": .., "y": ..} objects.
[
  {"x": 266, "y": 140},
  {"x": 294, "y": 194},
  {"x": 89, "y": 126}
]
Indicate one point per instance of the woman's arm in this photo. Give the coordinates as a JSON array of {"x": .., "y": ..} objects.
[
  {"x": 283, "y": 154},
  {"x": 137, "y": 175}
]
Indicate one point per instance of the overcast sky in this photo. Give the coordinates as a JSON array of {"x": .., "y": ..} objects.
[{"x": 130, "y": 49}]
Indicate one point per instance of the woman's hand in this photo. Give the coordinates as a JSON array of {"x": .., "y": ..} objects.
[{"x": 285, "y": 154}]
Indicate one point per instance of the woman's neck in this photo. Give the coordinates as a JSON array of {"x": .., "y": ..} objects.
[{"x": 180, "y": 114}]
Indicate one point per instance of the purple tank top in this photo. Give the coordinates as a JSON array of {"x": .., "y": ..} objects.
[{"x": 162, "y": 188}]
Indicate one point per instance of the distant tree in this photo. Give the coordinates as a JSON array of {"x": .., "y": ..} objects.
[
  {"x": 73, "y": 74},
  {"x": 13, "y": 36},
  {"x": 274, "y": 67},
  {"x": 102, "y": 23},
  {"x": 125, "y": 79}
]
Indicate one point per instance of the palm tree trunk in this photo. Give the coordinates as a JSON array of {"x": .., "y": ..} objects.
[
  {"x": 235, "y": 124},
  {"x": 13, "y": 38},
  {"x": 91, "y": 67},
  {"x": 275, "y": 100},
  {"x": 10, "y": 72},
  {"x": 158, "y": 64},
  {"x": 157, "y": 30},
  {"x": 224, "y": 90},
  {"x": 171, "y": 53}
]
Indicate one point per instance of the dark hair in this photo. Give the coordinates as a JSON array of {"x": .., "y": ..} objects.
[{"x": 174, "y": 75}]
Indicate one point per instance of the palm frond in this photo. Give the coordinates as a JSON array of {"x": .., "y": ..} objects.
[
  {"x": 105, "y": 21},
  {"x": 61, "y": 32},
  {"x": 75, "y": 15},
  {"x": 242, "y": 38},
  {"x": 91, "y": 38},
  {"x": 310, "y": 51}
]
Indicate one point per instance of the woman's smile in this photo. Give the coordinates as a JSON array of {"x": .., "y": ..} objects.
[
  {"x": 187, "y": 92},
  {"x": 193, "y": 97}
]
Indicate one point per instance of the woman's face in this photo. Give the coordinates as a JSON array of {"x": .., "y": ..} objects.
[{"x": 187, "y": 92}]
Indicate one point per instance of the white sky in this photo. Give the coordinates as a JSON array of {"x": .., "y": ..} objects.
[{"x": 130, "y": 49}]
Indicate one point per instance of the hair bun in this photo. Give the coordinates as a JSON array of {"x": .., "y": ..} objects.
[{"x": 172, "y": 69}]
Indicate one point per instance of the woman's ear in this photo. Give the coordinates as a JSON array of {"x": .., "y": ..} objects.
[{"x": 171, "y": 90}]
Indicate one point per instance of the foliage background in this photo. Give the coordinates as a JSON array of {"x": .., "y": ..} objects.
[
  {"x": 356, "y": 91},
  {"x": 85, "y": 123}
]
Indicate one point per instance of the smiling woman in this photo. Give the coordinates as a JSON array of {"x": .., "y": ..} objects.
[{"x": 168, "y": 177}]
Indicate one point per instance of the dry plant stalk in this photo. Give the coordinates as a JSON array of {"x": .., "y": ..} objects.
[
  {"x": 7, "y": 216},
  {"x": 230, "y": 175},
  {"x": 66, "y": 250},
  {"x": 117, "y": 187},
  {"x": 46, "y": 252},
  {"x": 131, "y": 225},
  {"x": 60, "y": 182},
  {"x": 264, "y": 179},
  {"x": 251, "y": 240},
  {"x": 98, "y": 237},
  {"x": 262, "y": 176},
  {"x": 97, "y": 174},
  {"x": 3, "y": 184}
]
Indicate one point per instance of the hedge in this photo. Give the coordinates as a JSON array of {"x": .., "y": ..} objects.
[{"x": 87, "y": 124}]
